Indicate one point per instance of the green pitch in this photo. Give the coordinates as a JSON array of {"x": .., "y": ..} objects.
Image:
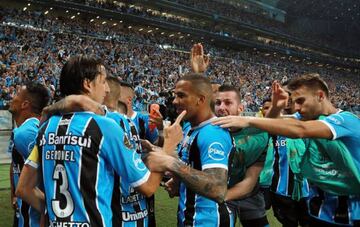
[{"x": 166, "y": 208}]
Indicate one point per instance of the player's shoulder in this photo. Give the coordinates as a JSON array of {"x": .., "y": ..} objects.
[
  {"x": 29, "y": 128},
  {"x": 116, "y": 116},
  {"x": 208, "y": 131}
]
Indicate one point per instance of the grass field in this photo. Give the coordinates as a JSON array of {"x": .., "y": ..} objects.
[{"x": 165, "y": 207}]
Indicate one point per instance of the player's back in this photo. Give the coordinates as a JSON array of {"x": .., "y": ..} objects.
[{"x": 79, "y": 152}]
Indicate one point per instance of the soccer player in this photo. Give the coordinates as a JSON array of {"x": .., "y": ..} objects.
[
  {"x": 142, "y": 121},
  {"x": 77, "y": 154},
  {"x": 244, "y": 197},
  {"x": 26, "y": 109},
  {"x": 311, "y": 96},
  {"x": 204, "y": 153},
  {"x": 283, "y": 185},
  {"x": 129, "y": 206}
]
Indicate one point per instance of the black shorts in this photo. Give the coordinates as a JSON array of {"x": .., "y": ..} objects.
[
  {"x": 289, "y": 212},
  {"x": 251, "y": 211}
]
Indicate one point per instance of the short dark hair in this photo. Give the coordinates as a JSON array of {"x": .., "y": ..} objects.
[
  {"x": 39, "y": 96},
  {"x": 201, "y": 83},
  {"x": 114, "y": 85},
  {"x": 311, "y": 80},
  {"x": 226, "y": 88},
  {"x": 75, "y": 71},
  {"x": 125, "y": 84}
]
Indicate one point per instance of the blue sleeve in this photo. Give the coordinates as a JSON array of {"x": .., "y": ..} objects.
[
  {"x": 24, "y": 140},
  {"x": 343, "y": 124},
  {"x": 118, "y": 150},
  {"x": 215, "y": 145}
]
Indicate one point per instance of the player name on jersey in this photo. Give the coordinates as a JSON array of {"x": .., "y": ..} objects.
[
  {"x": 69, "y": 224},
  {"x": 60, "y": 155}
]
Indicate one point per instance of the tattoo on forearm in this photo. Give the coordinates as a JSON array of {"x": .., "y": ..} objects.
[{"x": 211, "y": 183}]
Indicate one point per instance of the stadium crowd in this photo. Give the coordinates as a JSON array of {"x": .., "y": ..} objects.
[
  {"x": 139, "y": 58},
  {"x": 99, "y": 140}
]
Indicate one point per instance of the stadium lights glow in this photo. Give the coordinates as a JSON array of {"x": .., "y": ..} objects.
[
  {"x": 72, "y": 17},
  {"x": 91, "y": 20},
  {"x": 149, "y": 31},
  {"x": 141, "y": 29},
  {"x": 24, "y": 9},
  {"x": 46, "y": 12}
]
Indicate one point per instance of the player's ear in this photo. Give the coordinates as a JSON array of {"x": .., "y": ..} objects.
[
  {"x": 240, "y": 108},
  {"x": 87, "y": 86},
  {"x": 320, "y": 95},
  {"x": 201, "y": 99}
]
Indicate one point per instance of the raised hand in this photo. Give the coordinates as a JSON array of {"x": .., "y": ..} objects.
[
  {"x": 279, "y": 97},
  {"x": 173, "y": 134},
  {"x": 199, "y": 61}
]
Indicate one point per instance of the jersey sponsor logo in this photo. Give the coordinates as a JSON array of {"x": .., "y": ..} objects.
[
  {"x": 281, "y": 143},
  {"x": 139, "y": 164},
  {"x": 127, "y": 216},
  {"x": 216, "y": 151},
  {"x": 68, "y": 224},
  {"x": 132, "y": 198},
  {"x": 53, "y": 139}
]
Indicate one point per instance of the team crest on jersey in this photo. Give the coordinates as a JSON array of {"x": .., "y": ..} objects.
[{"x": 127, "y": 142}]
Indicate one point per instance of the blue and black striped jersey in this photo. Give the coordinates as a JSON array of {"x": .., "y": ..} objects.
[
  {"x": 203, "y": 147},
  {"x": 79, "y": 154},
  {"x": 22, "y": 142},
  {"x": 142, "y": 123},
  {"x": 339, "y": 210},
  {"x": 129, "y": 206},
  {"x": 283, "y": 179}
]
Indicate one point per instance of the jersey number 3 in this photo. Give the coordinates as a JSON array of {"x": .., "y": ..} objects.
[{"x": 62, "y": 208}]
